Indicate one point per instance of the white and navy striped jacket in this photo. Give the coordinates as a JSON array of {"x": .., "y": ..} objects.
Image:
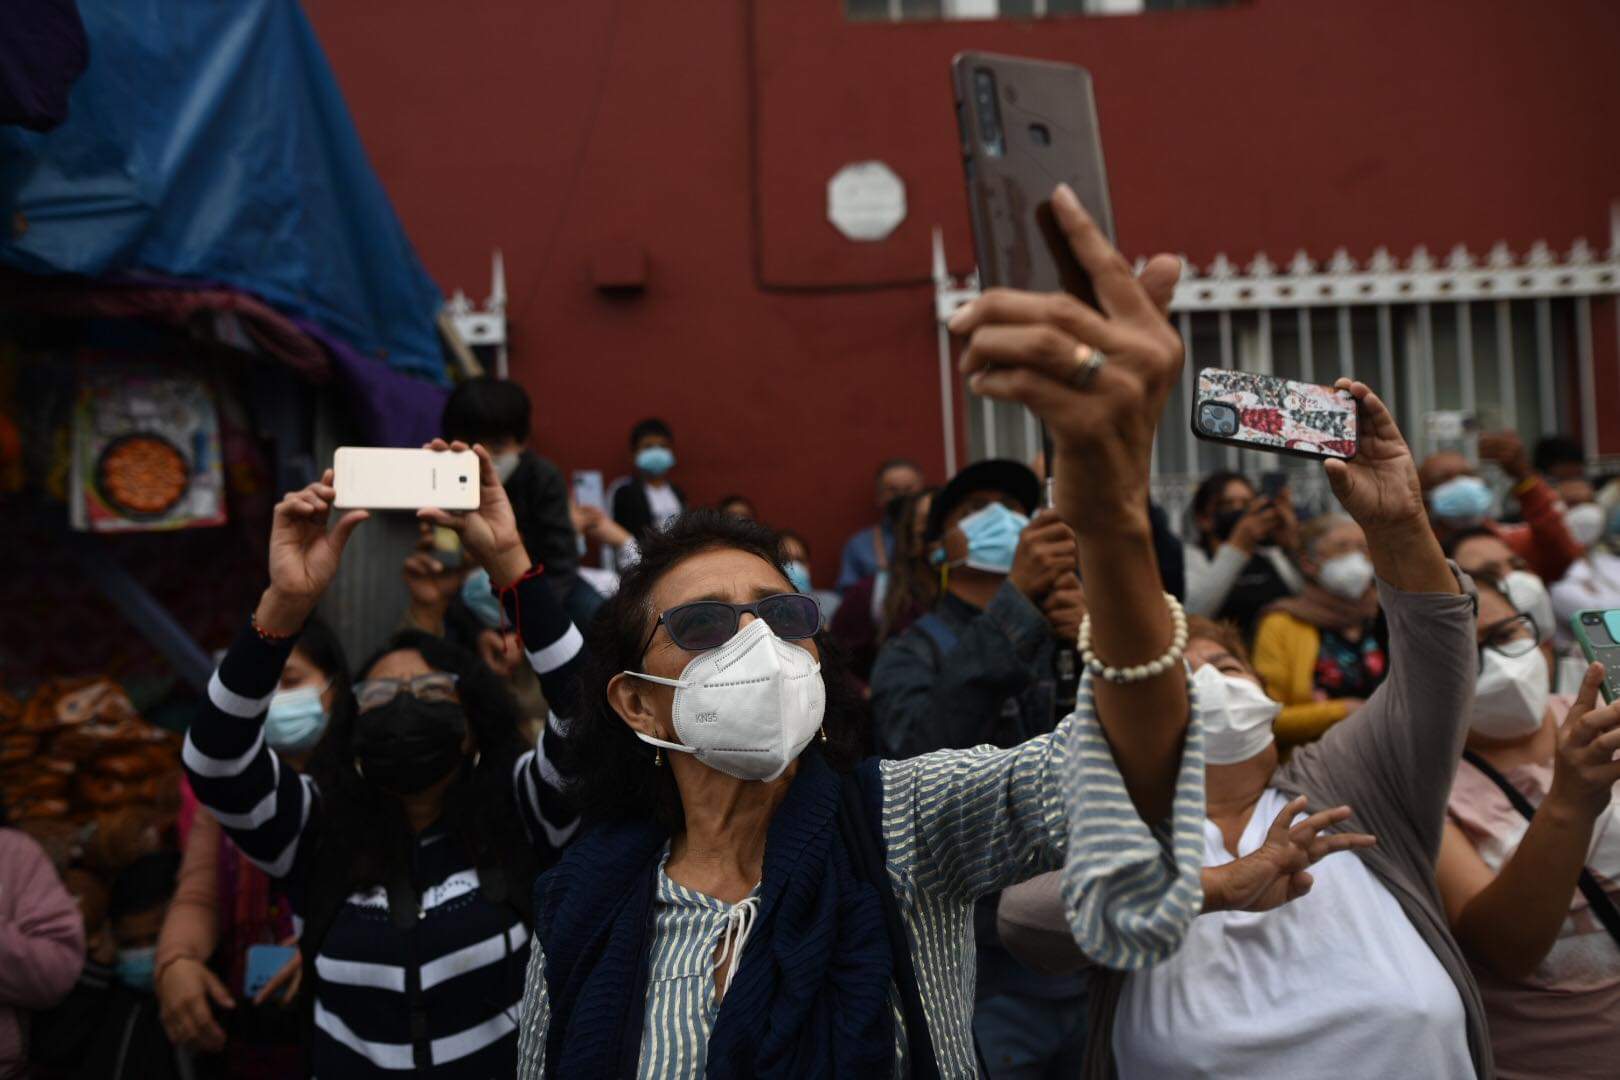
[{"x": 461, "y": 965}]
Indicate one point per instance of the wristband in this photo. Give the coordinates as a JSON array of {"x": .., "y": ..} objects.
[
  {"x": 517, "y": 603},
  {"x": 1138, "y": 672}
]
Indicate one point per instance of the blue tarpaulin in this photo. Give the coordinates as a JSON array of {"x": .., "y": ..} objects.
[{"x": 209, "y": 142}]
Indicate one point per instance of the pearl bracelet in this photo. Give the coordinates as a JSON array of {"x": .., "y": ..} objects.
[{"x": 1138, "y": 672}]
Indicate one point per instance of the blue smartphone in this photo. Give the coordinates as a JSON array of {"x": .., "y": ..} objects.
[{"x": 263, "y": 961}]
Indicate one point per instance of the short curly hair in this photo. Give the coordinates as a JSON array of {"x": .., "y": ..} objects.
[{"x": 614, "y": 777}]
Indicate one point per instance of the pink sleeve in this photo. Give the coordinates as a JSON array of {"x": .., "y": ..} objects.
[{"x": 41, "y": 934}]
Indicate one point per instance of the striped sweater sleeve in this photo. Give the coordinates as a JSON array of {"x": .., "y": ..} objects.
[
  {"x": 262, "y": 804},
  {"x": 966, "y": 823},
  {"x": 556, "y": 651}
]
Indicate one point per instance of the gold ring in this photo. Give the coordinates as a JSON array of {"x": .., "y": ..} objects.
[{"x": 1087, "y": 362}]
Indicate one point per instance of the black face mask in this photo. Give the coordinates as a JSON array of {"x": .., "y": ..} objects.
[
  {"x": 1225, "y": 523},
  {"x": 408, "y": 745}
]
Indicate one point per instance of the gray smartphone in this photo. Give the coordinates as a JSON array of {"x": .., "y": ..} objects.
[{"x": 1027, "y": 125}]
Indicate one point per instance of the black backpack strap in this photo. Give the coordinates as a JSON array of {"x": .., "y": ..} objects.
[
  {"x": 1596, "y": 898},
  {"x": 860, "y": 840}
]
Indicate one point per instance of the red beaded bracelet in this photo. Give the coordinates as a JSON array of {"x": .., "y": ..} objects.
[{"x": 266, "y": 636}]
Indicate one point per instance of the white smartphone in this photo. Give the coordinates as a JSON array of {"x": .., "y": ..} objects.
[
  {"x": 588, "y": 488},
  {"x": 383, "y": 478}
]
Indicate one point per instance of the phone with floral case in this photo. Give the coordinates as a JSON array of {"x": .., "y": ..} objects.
[{"x": 1281, "y": 416}]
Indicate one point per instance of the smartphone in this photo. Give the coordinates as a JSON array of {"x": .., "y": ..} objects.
[
  {"x": 382, "y": 478},
  {"x": 1599, "y": 635},
  {"x": 1273, "y": 484},
  {"x": 1265, "y": 412},
  {"x": 1026, "y": 125},
  {"x": 263, "y": 961},
  {"x": 588, "y": 489}
]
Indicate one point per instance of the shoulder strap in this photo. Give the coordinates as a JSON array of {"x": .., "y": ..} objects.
[
  {"x": 1596, "y": 898},
  {"x": 860, "y": 838}
]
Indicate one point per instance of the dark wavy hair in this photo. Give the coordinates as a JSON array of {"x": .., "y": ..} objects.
[
  {"x": 613, "y": 771},
  {"x": 364, "y": 829}
]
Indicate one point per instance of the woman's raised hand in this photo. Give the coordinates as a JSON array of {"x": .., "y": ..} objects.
[
  {"x": 304, "y": 555},
  {"x": 1278, "y": 871},
  {"x": 1585, "y": 768},
  {"x": 1379, "y": 486},
  {"x": 1042, "y": 350},
  {"x": 489, "y": 533}
]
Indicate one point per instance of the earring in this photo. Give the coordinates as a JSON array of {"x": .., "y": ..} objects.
[
  {"x": 658, "y": 756},
  {"x": 823, "y": 732},
  {"x": 358, "y": 771}
]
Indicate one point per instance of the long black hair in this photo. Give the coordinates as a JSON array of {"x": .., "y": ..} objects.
[
  {"x": 365, "y": 831},
  {"x": 613, "y": 771}
]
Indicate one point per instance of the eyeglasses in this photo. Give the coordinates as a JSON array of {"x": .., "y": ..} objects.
[
  {"x": 1511, "y": 637},
  {"x": 709, "y": 624},
  {"x": 432, "y": 688}
]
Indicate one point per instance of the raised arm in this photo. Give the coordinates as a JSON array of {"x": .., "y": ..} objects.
[
  {"x": 264, "y": 807},
  {"x": 1046, "y": 351},
  {"x": 1510, "y": 919},
  {"x": 1394, "y": 757},
  {"x": 1544, "y": 540},
  {"x": 552, "y": 643}
]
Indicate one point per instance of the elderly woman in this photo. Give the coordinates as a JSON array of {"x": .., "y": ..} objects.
[
  {"x": 741, "y": 901},
  {"x": 1530, "y": 860},
  {"x": 1360, "y": 975}
]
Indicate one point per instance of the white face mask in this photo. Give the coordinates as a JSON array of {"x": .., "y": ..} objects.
[
  {"x": 1526, "y": 593},
  {"x": 1237, "y": 716},
  {"x": 1346, "y": 575},
  {"x": 1585, "y": 523},
  {"x": 506, "y": 464},
  {"x": 1511, "y": 695},
  {"x": 747, "y": 708}
]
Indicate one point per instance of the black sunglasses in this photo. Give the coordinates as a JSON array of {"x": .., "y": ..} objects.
[{"x": 709, "y": 624}]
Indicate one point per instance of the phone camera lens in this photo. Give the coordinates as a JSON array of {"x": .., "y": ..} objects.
[{"x": 463, "y": 479}]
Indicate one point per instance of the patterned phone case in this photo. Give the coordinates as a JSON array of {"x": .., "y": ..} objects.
[{"x": 1279, "y": 415}]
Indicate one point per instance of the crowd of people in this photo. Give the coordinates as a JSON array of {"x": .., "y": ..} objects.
[{"x": 1037, "y": 789}]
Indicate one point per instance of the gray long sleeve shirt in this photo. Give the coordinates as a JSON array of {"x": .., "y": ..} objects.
[{"x": 1392, "y": 762}]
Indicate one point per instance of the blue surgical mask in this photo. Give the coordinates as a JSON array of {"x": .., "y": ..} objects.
[
  {"x": 296, "y": 720},
  {"x": 655, "y": 460},
  {"x": 1461, "y": 501},
  {"x": 992, "y": 537},
  {"x": 480, "y": 598},
  {"x": 135, "y": 967},
  {"x": 799, "y": 574}
]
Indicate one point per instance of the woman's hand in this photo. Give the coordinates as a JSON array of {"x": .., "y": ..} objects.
[
  {"x": 1039, "y": 349},
  {"x": 304, "y": 556},
  {"x": 288, "y": 980},
  {"x": 1277, "y": 873},
  {"x": 1379, "y": 487},
  {"x": 184, "y": 993},
  {"x": 489, "y": 533},
  {"x": 1584, "y": 767},
  {"x": 1380, "y": 490}
]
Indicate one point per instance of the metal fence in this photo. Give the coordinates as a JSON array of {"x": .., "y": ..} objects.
[{"x": 1505, "y": 341}]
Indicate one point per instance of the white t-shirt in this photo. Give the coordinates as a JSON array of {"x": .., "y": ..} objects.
[
  {"x": 663, "y": 502},
  {"x": 1337, "y": 983}
]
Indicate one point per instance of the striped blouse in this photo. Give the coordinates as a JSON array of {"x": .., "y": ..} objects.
[
  {"x": 958, "y": 825},
  {"x": 460, "y": 964}
]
